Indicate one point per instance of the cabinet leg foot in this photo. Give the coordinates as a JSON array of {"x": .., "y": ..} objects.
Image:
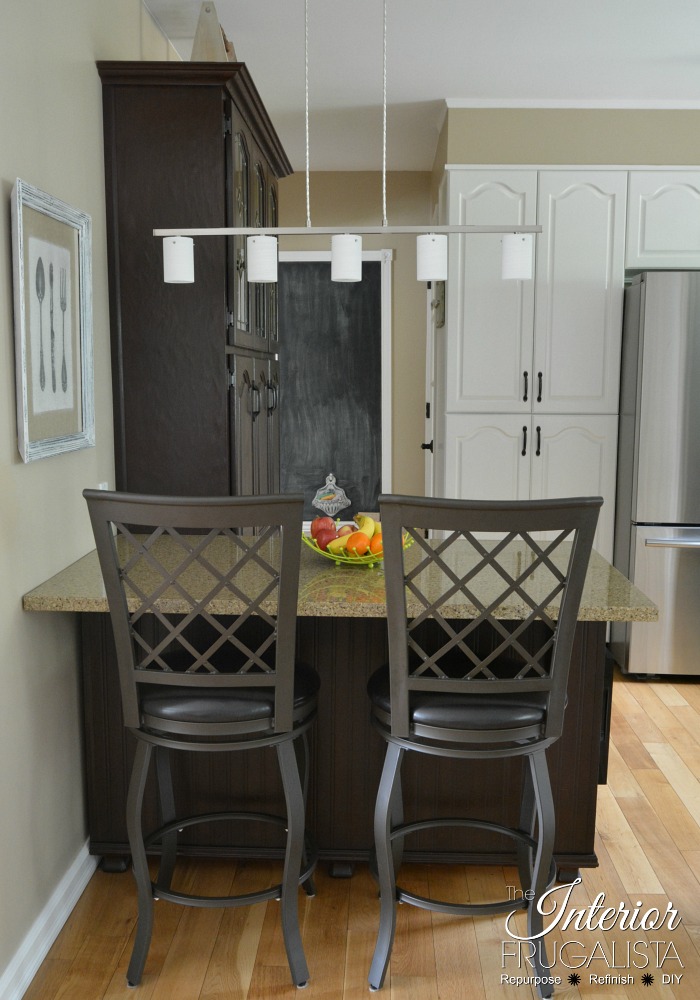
[
  {"x": 113, "y": 865},
  {"x": 342, "y": 869}
]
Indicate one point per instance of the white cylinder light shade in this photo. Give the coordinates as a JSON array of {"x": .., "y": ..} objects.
[
  {"x": 431, "y": 257},
  {"x": 516, "y": 260},
  {"x": 262, "y": 258},
  {"x": 178, "y": 259},
  {"x": 346, "y": 257}
]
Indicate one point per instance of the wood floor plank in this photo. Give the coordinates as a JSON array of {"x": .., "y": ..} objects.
[
  {"x": 488, "y": 883},
  {"x": 413, "y": 954},
  {"x": 185, "y": 967},
  {"x": 325, "y": 932},
  {"x": 678, "y": 772},
  {"x": 230, "y": 969},
  {"x": 626, "y": 703},
  {"x": 457, "y": 960},
  {"x": 627, "y": 740},
  {"x": 363, "y": 924},
  {"x": 670, "y": 809},
  {"x": 678, "y": 724},
  {"x": 632, "y": 865}
]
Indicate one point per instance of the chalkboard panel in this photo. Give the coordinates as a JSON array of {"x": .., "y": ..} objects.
[{"x": 330, "y": 382}]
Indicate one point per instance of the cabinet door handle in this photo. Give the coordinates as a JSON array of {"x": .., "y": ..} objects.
[
  {"x": 539, "y": 441},
  {"x": 428, "y": 446},
  {"x": 271, "y": 397},
  {"x": 525, "y": 376},
  {"x": 539, "y": 387},
  {"x": 256, "y": 400},
  {"x": 524, "y": 451}
]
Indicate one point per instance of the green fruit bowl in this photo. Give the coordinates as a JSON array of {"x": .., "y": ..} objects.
[{"x": 369, "y": 559}]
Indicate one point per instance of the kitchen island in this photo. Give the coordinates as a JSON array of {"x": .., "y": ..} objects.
[{"x": 341, "y": 632}]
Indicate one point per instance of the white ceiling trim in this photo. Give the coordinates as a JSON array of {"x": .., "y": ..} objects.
[{"x": 643, "y": 105}]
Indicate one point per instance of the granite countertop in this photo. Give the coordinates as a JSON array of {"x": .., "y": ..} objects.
[{"x": 341, "y": 591}]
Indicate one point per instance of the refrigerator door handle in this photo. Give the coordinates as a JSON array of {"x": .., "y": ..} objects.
[{"x": 673, "y": 543}]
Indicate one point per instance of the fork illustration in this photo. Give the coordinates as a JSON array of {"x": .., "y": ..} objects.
[{"x": 63, "y": 302}]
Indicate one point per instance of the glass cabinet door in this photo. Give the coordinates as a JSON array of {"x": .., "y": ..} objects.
[
  {"x": 240, "y": 213},
  {"x": 272, "y": 299},
  {"x": 259, "y": 289}
]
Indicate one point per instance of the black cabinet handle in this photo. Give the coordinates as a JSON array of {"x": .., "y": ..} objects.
[
  {"x": 539, "y": 387},
  {"x": 428, "y": 446},
  {"x": 539, "y": 440},
  {"x": 525, "y": 376},
  {"x": 524, "y": 451}
]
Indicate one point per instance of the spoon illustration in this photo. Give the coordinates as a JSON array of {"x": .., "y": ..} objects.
[{"x": 40, "y": 289}]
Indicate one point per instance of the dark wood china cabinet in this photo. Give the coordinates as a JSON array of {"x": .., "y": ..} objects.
[{"x": 194, "y": 369}]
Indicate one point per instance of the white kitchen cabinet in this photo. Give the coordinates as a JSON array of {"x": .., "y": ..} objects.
[
  {"x": 505, "y": 456},
  {"x": 551, "y": 344},
  {"x": 576, "y": 455},
  {"x": 489, "y": 321},
  {"x": 487, "y": 456},
  {"x": 579, "y": 289},
  {"x": 663, "y": 222}
]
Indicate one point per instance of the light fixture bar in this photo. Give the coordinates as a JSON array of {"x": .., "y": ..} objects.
[{"x": 339, "y": 230}]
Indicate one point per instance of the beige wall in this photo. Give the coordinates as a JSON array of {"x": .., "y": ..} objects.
[
  {"x": 578, "y": 135},
  {"x": 356, "y": 199},
  {"x": 51, "y": 127}
]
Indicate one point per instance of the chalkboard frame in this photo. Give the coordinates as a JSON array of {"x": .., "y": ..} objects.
[{"x": 385, "y": 260}]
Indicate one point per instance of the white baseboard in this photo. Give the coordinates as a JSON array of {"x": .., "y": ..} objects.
[{"x": 45, "y": 929}]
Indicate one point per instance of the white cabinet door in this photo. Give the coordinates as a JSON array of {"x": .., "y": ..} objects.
[
  {"x": 577, "y": 456},
  {"x": 489, "y": 321},
  {"x": 579, "y": 291},
  {"x": 663, "y": 227},
  {"x": 487, "y": 457}
]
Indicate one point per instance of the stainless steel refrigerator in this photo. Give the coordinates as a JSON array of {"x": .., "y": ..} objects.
[{"x": 657, "y": 520}]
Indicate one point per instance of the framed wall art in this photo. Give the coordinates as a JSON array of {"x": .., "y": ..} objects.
[{"x": 52, "y": 253}]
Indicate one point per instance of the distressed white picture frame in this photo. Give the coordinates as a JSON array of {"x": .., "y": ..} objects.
[{"x": 52, "y": 274}]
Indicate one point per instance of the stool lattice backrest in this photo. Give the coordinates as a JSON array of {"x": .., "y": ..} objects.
[
  {"x": 487, "y": 603},
  {"x": 195, "y": 598}
]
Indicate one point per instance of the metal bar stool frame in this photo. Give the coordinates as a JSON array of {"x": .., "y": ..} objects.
[
  {"x": 174, "y": 558},
  {"x": 449, "y": 700}
]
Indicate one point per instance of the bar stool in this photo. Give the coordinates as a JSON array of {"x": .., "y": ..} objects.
[
  {"x": 202, "y": 595},
  {"x": 481, "y": 611}
]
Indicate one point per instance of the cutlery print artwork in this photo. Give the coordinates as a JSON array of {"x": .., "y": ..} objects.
[{"x": 41, "y": 294}]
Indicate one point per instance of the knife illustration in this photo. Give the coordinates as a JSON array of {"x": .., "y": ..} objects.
[
  {"x": 40, "y": 290},
  {"x": 53, "y": 335}
]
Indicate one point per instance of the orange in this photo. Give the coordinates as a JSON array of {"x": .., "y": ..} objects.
[
  {"x": 375, "y": 546},
  {"x": 358, "y": 543}
]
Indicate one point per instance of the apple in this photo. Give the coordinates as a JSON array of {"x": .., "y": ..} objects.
[
  {"x": 324, "y": 536},
  {"x": 346, "y": 529},
  {"x": 319, "y": 523}
]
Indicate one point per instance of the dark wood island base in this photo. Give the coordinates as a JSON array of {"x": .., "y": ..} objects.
[
  {"x": 346, "y": 760},
  {"x": 341, "y": 632}
]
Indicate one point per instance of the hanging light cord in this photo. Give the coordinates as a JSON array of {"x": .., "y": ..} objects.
[
  {"x": 306, "y": 89},
  {"x": 384, "y": 217}
]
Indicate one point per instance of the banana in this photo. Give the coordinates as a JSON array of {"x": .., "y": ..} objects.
[
  {"x": 337, "y": 545},
  {"x": 365, "y": 523}
]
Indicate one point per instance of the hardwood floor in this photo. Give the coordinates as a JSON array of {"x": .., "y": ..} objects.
[{"x": 648, "y": 846}]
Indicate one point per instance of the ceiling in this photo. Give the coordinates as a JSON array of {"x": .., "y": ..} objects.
[{"x": 471, "y": 53}]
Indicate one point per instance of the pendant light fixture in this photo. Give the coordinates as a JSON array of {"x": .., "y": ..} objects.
[
  {"x": 261, "y": 255},
  {"x": 178, "y": 259},
  {"x": 431, "y": 257},
  {"x": 346, "y": 257},
  {"x": 516, "y": 256},
  {"x": 346, "y": 243}
]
